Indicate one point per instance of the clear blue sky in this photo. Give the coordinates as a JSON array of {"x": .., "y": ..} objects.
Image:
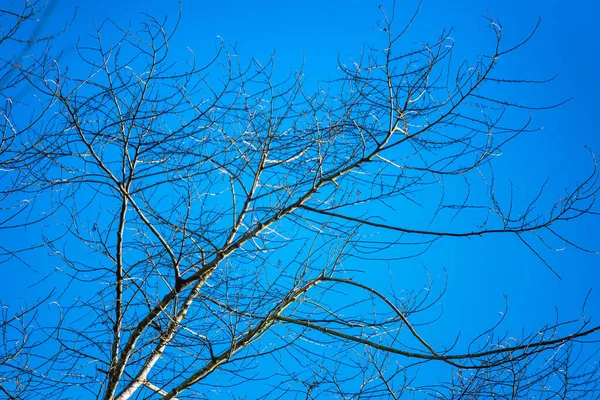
[
  {"x": 480, "y": 271},
  {"x": 318, "y": 32}
]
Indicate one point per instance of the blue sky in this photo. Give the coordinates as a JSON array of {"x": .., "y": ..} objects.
[{"x": 318, "y": 33}]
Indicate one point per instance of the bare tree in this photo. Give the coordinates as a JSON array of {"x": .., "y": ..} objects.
[
  {"x": 24, "y": 51},
  {"x": 210, "y": 222}
]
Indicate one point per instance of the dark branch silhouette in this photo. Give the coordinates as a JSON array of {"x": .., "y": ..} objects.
[{"x": 207, "y": 222}]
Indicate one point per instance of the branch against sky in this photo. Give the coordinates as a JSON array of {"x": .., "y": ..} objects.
[
  {"x": 211, "y": 222},
  {"x": 24, "y": 51}
]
